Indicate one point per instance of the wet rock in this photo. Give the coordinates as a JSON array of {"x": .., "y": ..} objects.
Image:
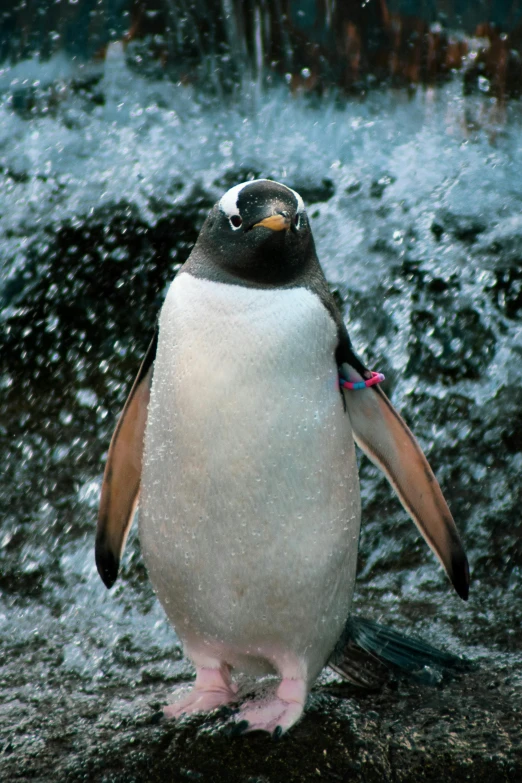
[
  {"x": 404, "y": 732},
  {"x": 506, "y": 291},
  {"x": 313, "y": 193},
  {"x": 378, "y": 186},
  {"x": 464, "y": 227}
]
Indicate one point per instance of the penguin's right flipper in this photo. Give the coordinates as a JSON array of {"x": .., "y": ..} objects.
[
  {"x": 367, "y": 651},
  {"x": 122, "y": 476}
]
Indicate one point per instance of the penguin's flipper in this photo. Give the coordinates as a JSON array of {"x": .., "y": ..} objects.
[
  {"x": 122, "y": 476},
  {"x": 387, "y": 440},
  {"x": 368, "y": 650}
]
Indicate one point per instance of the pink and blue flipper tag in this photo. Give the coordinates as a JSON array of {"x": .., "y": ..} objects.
[{"x": 376, "y": 377}]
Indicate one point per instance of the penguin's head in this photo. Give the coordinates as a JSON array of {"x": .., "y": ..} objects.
[{"x": 259, "y": 232}]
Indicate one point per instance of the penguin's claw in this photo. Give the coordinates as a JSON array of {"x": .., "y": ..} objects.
[
  {"x": 275, "y": 716},
  {"x": 237, "y": 729}
]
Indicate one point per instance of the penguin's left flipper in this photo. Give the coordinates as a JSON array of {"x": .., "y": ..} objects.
[
  {"x": 367, "y": 651},
  {"x": 387, "y": 440},
  {"x": 122, "y": 476}
]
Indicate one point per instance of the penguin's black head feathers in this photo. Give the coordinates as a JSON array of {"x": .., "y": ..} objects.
[{"x": 257, "y": 232}]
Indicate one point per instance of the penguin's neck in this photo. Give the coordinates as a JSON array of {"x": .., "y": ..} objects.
[{"x": 266, "y": 272}]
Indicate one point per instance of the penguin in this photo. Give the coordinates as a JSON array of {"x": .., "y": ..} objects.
[{"x": 238, "y": 439}]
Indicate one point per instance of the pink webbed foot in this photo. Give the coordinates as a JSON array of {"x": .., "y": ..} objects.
[
  {"x": 275, "y": 715},
  {"x": 213, "y": 688}
]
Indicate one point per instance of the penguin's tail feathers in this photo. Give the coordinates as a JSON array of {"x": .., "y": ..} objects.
[{"x": 368, "y": 652}]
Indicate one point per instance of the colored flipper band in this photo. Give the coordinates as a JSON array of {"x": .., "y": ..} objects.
[{"x": 377, "y": 377}]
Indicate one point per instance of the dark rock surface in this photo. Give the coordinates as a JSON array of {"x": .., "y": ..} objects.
[
  {"x": 101, "y": 200},
  {"x": 467, "y": 730}
]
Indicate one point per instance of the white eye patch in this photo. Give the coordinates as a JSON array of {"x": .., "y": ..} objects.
[
  {"x": 228, "y": 202},
  {"x": 300, "y": 202}
]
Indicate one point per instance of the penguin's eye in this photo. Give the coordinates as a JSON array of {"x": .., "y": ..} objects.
[
  {"x": 297, "y": 221},
  {"x": 236, "y": 222}
]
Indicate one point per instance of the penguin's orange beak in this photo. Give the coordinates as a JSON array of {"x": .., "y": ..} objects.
[{"x": 277, "y": 222}]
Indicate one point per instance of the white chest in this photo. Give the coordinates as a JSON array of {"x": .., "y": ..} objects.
[{"x": 250, "y": 490}]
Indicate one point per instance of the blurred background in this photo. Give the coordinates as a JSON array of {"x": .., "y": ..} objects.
[
  {"x": 313, "y": 44},
  {"x": 121, "y": 123}
]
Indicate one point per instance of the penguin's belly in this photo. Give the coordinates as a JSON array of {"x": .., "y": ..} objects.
[{"x": 250, "y": 504}]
